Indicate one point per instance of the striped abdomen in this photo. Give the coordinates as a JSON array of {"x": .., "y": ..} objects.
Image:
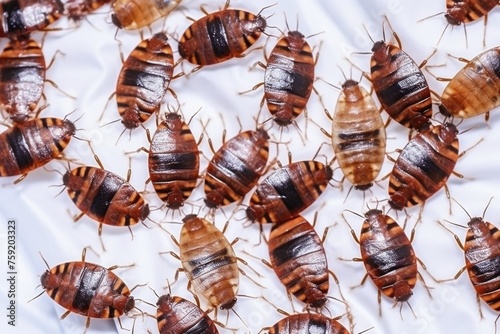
[
  {"x": 400, "y": 86},
  {"x": 105, "y": 196},
  {"x": 475, "y": 89},
  {"x": 174, "y": 161},
  {"x": 209, "y": 262},
  {"x": 308, "y": 323},
  {"x": 22, "y": 76},
  {"x": 289, "y": 78},
  {"x": 220, "y": 36},
  {"x": 236, "y": 168},
  {"x": 135, "y": 14},
  {"x": 144, "y": 80},
  {"x": 87, "y": 289},
  {"x": 299, "y": 260},
  {"x": 423, "y": 166},
  {"x": 32, "y": 144},
  {"x": 388, "y": 255},
  {"x": 458, "y": 11},
  {"x": 288, "y": 191},
  {"x": 178, "y": 315},
  {"x": 482, "y": 259},
  {"x": 358, "y": 136}
]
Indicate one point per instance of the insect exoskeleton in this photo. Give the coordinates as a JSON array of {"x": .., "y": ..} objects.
[
  {"x": 474, "y": 89},
  {"x": 137, "y": 14},
  {"x": 76, "y": 10},
  {"x": 358, "y": 135},
  {"x": 308, "y": 323},
  {"x": 236, "y": 168},
  {"x": 220, "y": 36}
]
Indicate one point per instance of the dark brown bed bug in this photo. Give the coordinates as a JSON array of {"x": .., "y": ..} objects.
[
  {"x": 144, "y": 79},
  {"x": 307, "y": 323},
  {"x": 137, "y": 14},
  {"x": 236, "y": 168},
  {"x": 475, "y": 88},
  {"x": 400, "y": 86},
  {"x": 358, "y": 135},
  {"x": 220, "y": 36},
  {"x": 21, "y": 17},
  {"x": 299, "y": 260},
  {"x": 288, "y": 191},
  {"x": 465, "y": 11},
  {"x": 87, "y": 289},
  {"x": 178, "y": 315},
  {"x": 78, "y": 9},
  {"x": 423, "y": 166},
  {"x": 32, "y": 144},
  {"x": 22, "y": 76}
]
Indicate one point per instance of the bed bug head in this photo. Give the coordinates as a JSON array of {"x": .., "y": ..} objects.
[
  {"x": 129, "y": 304},
  {"x": 50, "y": 280},
  {"x": 145, "y": 212},
  {"x": 165, "y": 303},
  {"x": 130, "y": 118},
  {"x": 448, "y": 133},
  {"x": 402, "y": 291},
  {"x": 457, "y": 14},
  {"x": 229, "y": 305}
]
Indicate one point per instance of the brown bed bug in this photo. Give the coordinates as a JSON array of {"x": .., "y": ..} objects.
[
  {"x": 32, "y": 144},
  {"x": 137, "y": 14},
  {"x": 288, "y": 191},
  {"x": 358, "y": 135},
  {"x": 236, "y": 168},
  {"x": 220, "y": 36},
  {"x": 400, "y": 85},
  {"x": 307, "y": 323},
  {"x": 423, "y": 166},
  {"x": 78, "y": 9},
  {"x": 21, "y": 17},
  {"x": 299, "y": 260},
  {"x": 144, "y": 79},
  {"x": 177, "y": 315},
  {"x": 475, "y": 88},
  {"x": 87, "y": 289}
]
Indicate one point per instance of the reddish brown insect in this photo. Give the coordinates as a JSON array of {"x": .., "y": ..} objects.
[
  {"x": 474, "y": 89},
  {"x": 178, "y": 315},
  {"x": 21, "y": 17},
  {"x": 308, "y": 323},
  {"x": 288, "y": 191},
  {"x": 423, "y": 166},
  {"x": 236, "y": 167},
  {"x": 137, "y": 14},
  {"x": 299, "y": 260},
  {"x": 78, "y": 9},
  {"x": 358, "y": 135},
  {"x": 32, "y": 144},
  {"x": 464, "y": 11},
  {"x": 144, "y": 79},
  {"x": 87, "y": 289},
  {"x": 220, "y": 36}
]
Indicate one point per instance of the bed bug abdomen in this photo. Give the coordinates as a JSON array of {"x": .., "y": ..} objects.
[
  {"x": 308, "y": 322},
  {"x": 137, "y": 14}
]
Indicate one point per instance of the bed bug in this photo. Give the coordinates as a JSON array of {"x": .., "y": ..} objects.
[
  {"x": 137, "y": 14},
  {"x": 220, "y": 36},
  {"x": 78, "y": 9},
  {"x": 178, "y": 315},
  {"x": 236, "y": 168},
  {"x": 87, "y": 289},
  {"x": 358, "y": 135},
  {"x": 287, "y": 191},
  {"x": 299, "y": 260},
  {"x": 308, "y": 323},
  {"x": 144, "y": 79},
  {"x": 21, "y": 17},
  {"x": 32, "y": 144},
  {"x": 475, "y": 88},
  {"x": 423, "y": 166}
]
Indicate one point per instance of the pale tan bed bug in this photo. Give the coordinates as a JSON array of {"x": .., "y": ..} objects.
[{"x": 131, "y": 15}]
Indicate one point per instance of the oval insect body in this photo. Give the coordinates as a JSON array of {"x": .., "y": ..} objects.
[
  {"x": 78, "y": 9},
  {"x": 174, "y": 161},
  {"x": 423, "y": 166},
  {"x": 105, "y": 196},
  {"x": 400, "y": 86},
  {"x": 299, "y": 260},
  {"x": 464, "y": 11},
  {"x": 137, "y": 14},
  {"x": 288, "y": 191},
  {"x": 144, "y": 79},
  {"x": 474, "y": 89},
  {"x": 220, "y": 36},
  {"x": 358, "y": 135},
  {"x": 308, "y": 323},
  {"x": 289, "y": 77},
  {"x": 32, "y": 144},
  {"x": 236, "y": 168},
  {"x": 178, "y": 315},
  {"x": 209, "y": 262}
]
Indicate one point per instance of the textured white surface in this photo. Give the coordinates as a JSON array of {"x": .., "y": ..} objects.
[{"x": 89, "y": 69}]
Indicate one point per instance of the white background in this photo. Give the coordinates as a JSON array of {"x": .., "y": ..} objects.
[{"x": 89, "y": 69}]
